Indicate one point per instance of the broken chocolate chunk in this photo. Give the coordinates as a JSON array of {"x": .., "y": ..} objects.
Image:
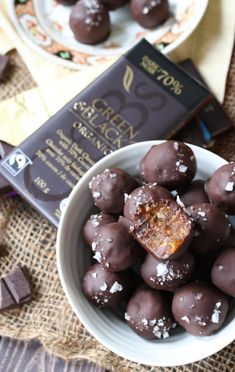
[{"x": 14, "y": 289}]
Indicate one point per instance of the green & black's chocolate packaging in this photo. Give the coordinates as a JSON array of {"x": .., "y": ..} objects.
[{"x": 143, "y": 96}]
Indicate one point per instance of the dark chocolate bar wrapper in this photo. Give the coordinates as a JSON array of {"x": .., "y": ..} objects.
[
  {"x": 213, "y": 120},
  {"x": 143, "y": 96}
]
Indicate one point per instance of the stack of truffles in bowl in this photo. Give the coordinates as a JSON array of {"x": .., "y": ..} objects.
[{"x": 162, "y": 244}]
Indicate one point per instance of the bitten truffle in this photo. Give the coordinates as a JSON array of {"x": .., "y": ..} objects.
[
  {"x": 149, "y": 13},
  {"x": 221, "y": 188},
  {"x": 200, "y": 308},
  {"x": 171, "y": 164},
  {"x": 93, "y": 224},
  {"x": 211, "y": 227},
  {"x": 192, "y": 194},
  {"x": 114, "y": 4},
  {"x": 145, "y": 194},
  {"x": 110, "y": 188},
  {"x": 167, "y": 275},
  {"x": 89, "y": 21},
  {"x": 163, "y": 229},
  {"x": 148, "y": 314},
  {"x": 106, "y": 289},
  {"x": 223, "y": 273},
  {"x": 115, "y": 248}
]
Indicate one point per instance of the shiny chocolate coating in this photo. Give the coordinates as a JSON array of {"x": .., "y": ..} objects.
[
  {"x": 89, "y": 21},
  {"x": 193, "y": 193},
  {"x": 149, "y": 13},
  {"x": 148, "y": 314},
  {"x": 200, "y": 308},
  {"x": 170, "y": 164},
  {"x": 110, "y": 188},
  {"x": 144, "y": 194},
  {"x": 106, "y": 289},
  {"x": 223, "y": 273},
  {"x": 220, "y": 188},
  {"x": 167, "y": 275},
  {"x": 93, "y": 224},
  {"x": 211, "y": 227},
  {"x": 115, "y": 248},
  {"x": 114, "y": 4}
]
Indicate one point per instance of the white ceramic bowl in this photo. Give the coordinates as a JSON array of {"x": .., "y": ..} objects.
[{"x": 73, "y": 260}]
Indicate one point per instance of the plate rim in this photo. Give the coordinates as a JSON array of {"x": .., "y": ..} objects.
[{"x": 77, "y": 66}]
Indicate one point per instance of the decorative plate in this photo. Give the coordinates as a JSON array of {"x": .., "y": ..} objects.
[{"x": 44, "y": 26}]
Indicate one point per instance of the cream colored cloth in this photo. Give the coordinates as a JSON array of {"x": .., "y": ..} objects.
[{"x": 210, "y": 47}]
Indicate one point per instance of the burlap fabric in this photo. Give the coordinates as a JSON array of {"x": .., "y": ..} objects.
[{"x": 27, "y": 238}]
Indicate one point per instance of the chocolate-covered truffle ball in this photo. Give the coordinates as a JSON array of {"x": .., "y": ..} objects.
[
  {"x": 114, "y": 247},
  {"x": 66, "y": 2},
  {"x": 92, "y": 225},
  {"x": 114, "y": 4},
  {"x": 106, "y": 289},
  {"x": 223, "y": 272},
  {"x": 192, "y": 194},
  {"x": 167, "y": 275},
  {"x": 171, "y": 164},
  {"x": 89, "y": 21},
  {"x": 163, "y": 229},
  {"x": 149, "y": 13},
  {"x": 200, "y": 308},
  {"x": 148, "y": 314},
  {"x": 221, "y": 188},
  {"x": 145, "y": 194},
  {"x": 211, "y": 227},
  {"x": 110, "y": 188}
]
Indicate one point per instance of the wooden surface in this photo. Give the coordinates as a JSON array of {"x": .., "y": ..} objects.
[{"x": 19, "y": 356}]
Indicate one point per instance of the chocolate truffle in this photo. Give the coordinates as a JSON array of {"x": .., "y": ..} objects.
[
  {"x": 106, "y": 289},
  {"x": 148, "y": 314},
  {"x": 163, "y": 229},
  {"x": 223, "y": 273},
  {"x": 114, "y": 4},
  {"x": 66, "y": 2},
  {"x": 192, "y": 194},
  {"x": 114, "y": 247},
  {"x": 200, "y": 308},
  {"x": 92, "y": 225},
  {"x": 110, "y": 188},
  {"x": 145, "y": 194},
  {"x": 89, "y": 21},
  {"x": 221, "y": 188},
  {"x": 211, "y": 227},
  {"x": 171, "y": 164},
  {"x": 149, "y": 13},
  {"x": 167, "y": 275}
]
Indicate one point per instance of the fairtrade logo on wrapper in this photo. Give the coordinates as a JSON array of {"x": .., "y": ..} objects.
[{"x": 16, "y": 162}]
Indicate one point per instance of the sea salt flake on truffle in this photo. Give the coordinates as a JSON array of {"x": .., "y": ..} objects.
[
  {"x": 127, "y": 316},
  {"x": 185, "y": 319},
  {"x": 97, "y": 256},
  {"x": 93, "y": 246},
  {"x": 220, "y": 267},
  {"x": 229, "y": 186},
  {"x": 182, "y": 168},
  {"x": 103, "y": 287},
  {"x": 162, "y": 269},
  {"x": 179, "y": 202},
  {"x": 94, "y": 275},
  {"x": 215, "y": 316},
  {"x": 116, "y": 287},
  {"x": 144, "y": 321},
  {"x": 165, "y": 334},
  {"x": 96, "y": 194},
  {"x": 202, "y": 214},
  {"x": 152, "y": 322},
  {"x": 176, "y": 146}
]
